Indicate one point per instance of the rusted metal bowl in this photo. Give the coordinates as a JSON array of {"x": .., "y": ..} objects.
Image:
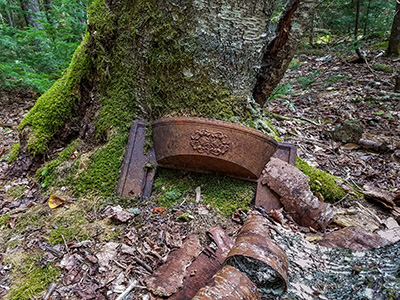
[
  {"x": 259, "y": 258},
  {"x": 229, "y": 284},
  {"x": 204, "y": 145}
]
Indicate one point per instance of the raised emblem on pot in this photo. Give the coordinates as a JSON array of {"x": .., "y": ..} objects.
[{"x": 205, "y": 141}]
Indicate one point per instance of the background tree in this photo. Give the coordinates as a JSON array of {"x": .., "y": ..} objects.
[
  {"x": 394, "y": 40},
  {"x": 152, "y": 59}
]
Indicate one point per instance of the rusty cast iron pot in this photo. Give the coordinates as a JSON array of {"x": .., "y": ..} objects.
[
  {"x": 262, "y": 260},
  {"x": 205, "y": 145},
  {"x": 229, "y": 284}
]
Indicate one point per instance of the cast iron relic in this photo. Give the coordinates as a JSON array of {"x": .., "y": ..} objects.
[
  {"x": 137, "y": 173},
  {"x": 256, "y": 255},
  {"x": 204, "y": 145}
]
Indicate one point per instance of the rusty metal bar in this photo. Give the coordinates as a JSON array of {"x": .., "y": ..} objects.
[{"x": 137, "y": 173}]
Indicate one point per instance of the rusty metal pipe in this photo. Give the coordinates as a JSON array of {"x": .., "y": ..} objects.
[
  {"x": 255, "y": 254},
  {"x": 229, "y": 284}
]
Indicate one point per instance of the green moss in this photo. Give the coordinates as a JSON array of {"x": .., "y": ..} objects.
[
  {"x": 33, "y": 279},
  {"x": 47, "y": 173},
  {"x": 4, "y": 220},
  {"x": 221, "y": 192},
  {"x": 102, "y": 172},
  {"x": 321, "y": 182},
  {"x": 383, "y": 68},
  {"x": 68, "y": 226},
  {"x": 381, "y": 45},
  {"x": 55, "y": 106},
  {"x": 14, "y": 153},
  {"x": 16, "y": 191}
]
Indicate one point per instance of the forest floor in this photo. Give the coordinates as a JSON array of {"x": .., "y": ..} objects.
[{"x": 321, "y": 91}]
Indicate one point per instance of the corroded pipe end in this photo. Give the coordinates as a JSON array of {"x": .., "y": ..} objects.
[
  {"x": 229, "y": 284},
  {"x": 259, "y": 258}
]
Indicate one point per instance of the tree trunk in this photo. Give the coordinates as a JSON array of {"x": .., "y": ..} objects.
[
  {"x": 281, "y": 49},
  {"x": 151, "y": 59},
  {"x": 31, "y": 9},
  {"x": 394, "y": 40},
  {"x": 358, "y": 4}
]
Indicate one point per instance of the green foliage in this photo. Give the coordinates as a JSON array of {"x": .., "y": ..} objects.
[
  {"x": 281, "y": 91},
  {"x": 321, "y": 182},
  {"x": 14, "y": 152},
  {"x": 221, "y": 192},
  {"x": 338, "y": 16},
  {"x": 4, "y": 220},
  {"x": 307, "y": 81},
  {"x": 33, "y": 58},
  {"x": 35, "y": 278},
  {"x": 103, "y": 170}
]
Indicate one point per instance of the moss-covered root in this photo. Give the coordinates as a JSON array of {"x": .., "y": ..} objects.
[
  {"x": 322, "y": 182},
  {"x": 55, "y": 106}
]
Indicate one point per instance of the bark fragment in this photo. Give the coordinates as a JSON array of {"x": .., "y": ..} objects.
[
  {"x": 168, "y": 278},
  {"x": 292, "y": 185},
  {"x": 229, "y": 284},
  {"x": 355, "y": 238}
]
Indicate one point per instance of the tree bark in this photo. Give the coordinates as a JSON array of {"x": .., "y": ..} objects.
[
  {"x": 151, "y": 59},
  {"x": 394, "y": 40},
  {"x": 281, "y": 49},
  {"x": 31, "y": 9}
]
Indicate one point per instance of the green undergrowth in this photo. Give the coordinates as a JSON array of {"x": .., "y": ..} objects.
[
  {"x": 55, "y": 106},
  {"x": 102, "y": 172},
  {"x": 321, "y": 182},
  {"x": 14, "y": 153},
  {"x": 31, "y": 277},
  {"x": 225, "y": 194}
]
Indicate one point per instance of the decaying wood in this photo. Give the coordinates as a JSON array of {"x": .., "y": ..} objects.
[
  {"x": 206, "y": 265},
  {"x": 281, "y": 49},
  {"x": 297, "y": 199},
  {"x": 168, "y": 278}
]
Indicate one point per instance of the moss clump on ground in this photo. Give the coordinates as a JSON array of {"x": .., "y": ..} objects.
[
  {"x": 47, "y": 173},
  {"x": 321, "y": 182},
  {"x": 16, "y": 191},
  {"x": 4, "y": 220},
  {"x": 14, "y": 153},
  {"x": 221, "y": 192},
  {"x": 55, "y": 106},
  {"x": 31, "y": 278},
  {"x": 102, "y": 172},
  {"x": 383, "y": 68}
]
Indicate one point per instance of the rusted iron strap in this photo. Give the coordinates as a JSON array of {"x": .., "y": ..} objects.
[{"x": 137, "y": 173}]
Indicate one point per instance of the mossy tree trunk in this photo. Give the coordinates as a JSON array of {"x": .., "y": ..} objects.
[{"x": 149, "y": 59}]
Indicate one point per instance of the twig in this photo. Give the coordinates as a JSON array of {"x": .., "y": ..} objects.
[
  {"x": 130, "y": 287},
  {"x": 65, "y": 243},
  {"x": 143, "y": 264},
  {"x": 282, "y": 118},
  {"x": 336, "y": 203},
  {"x": 50, "y": 291}
]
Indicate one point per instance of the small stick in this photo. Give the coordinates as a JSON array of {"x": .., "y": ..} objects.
[{"x": 131, "y": 286}]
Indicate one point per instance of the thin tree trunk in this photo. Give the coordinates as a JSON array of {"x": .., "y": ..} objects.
[
  {"x": 281, "y": 49},
  {"x": 10, "y": 21},
  {"x": 367, "y": 17},
  {"x": 357, "y": 18},
  {"x": 394, "y": 40},
  {"x": 31, "y": 9}
]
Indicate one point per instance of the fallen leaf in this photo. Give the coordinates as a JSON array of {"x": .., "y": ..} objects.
[
  {"x": 351, "y": 146},
  {"x": 55, "y": 201},
  {"x": 159, "y": 210}
]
